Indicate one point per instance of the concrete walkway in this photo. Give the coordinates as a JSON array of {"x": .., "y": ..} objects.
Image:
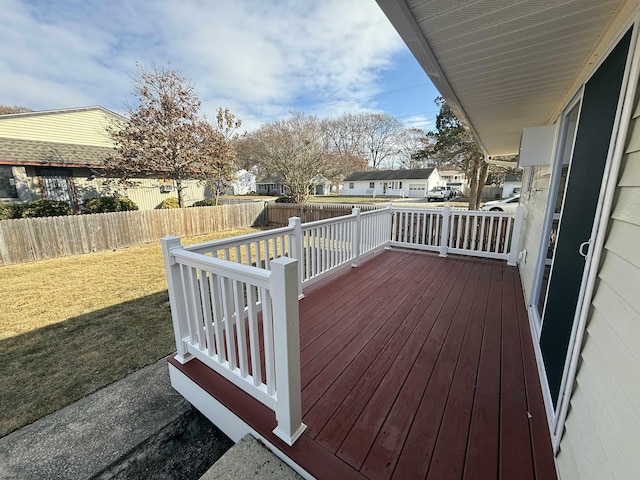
[{"x": 99, "y": 435}]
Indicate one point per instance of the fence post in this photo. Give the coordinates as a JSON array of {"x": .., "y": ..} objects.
[
  {"x": 355, "y": 246},
  {"x": 286, "y": 339},
  {"x": 297, "y": 250},
  {"x": 514, "y": 248},
  {"x": 444, "y": 233},
  {"x": 176, "y": 299}
]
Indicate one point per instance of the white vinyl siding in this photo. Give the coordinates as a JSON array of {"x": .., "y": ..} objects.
[
  {"x": 601, "y": 437},
  {"x": 78, "y": 127},
  {"x": 535, "y": 201}
]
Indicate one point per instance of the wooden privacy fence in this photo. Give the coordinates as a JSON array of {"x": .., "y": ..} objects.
[
  {"x": 31, "y": 239},
  {"x": 278, "y": 214}
]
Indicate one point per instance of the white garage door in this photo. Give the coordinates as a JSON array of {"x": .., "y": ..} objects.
[{"x": 417, "y": 190}]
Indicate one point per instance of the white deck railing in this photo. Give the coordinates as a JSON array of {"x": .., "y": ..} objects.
[
  {"x": 234, "y": 301},
  {"x": 464, "y": 232},
  {"x": 241, "y": 321}
]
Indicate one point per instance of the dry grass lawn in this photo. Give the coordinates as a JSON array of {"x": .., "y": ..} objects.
[{"x": 72, "y": 325}]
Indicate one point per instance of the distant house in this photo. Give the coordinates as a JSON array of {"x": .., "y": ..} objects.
[
  {"x": 244, "y": 183},
  {"x": 271, "y": 185},
  {"x": 455, "y": 179},
  {"x": 56, "y": 154},
  {"x": 511, "y": 185},
  {"x": 274, "y": 185},
  {"x": 406, "y": 183}
]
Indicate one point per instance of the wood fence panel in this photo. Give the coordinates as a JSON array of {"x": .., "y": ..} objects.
[
  {"x": 31, "y": 239},
  {"x": 278, "y": 214}
]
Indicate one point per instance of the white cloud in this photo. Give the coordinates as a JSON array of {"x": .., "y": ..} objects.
[{"x": 260, "y": 59}]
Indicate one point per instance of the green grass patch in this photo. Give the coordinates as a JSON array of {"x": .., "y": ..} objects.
[{"x": 72, "y": 325}]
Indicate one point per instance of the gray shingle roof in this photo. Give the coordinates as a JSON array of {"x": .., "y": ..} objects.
[
  {"x": 414, "y": 174},
  {"x": 29, "y": 152}
]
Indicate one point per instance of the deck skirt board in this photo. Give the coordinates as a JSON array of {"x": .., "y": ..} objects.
[{"x": 413, "y": 366}]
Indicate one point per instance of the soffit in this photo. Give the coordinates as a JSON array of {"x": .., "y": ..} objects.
[{"x": 502, "y": 65}]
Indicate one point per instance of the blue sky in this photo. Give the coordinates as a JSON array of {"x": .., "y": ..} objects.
[{"x": 259, "y": 58}]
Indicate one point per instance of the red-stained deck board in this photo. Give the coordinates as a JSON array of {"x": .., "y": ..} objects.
[
  {"x": 413, "y": 366},
  {"x": 482, "y": 454},
  {"x": 515, "y": 441},
  {"x": 447, "y": 462},
  {"x": 416, "y": 455},
  {"x": 357, "y": 382},
  {"x": 542, "y": 450}
]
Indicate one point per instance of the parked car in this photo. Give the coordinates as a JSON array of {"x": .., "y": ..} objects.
[
  {"x": 505, "y": 205},
  {"x": 440, "y": 193}
]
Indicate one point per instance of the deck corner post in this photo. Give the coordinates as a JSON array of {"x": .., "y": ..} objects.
[
  {"x": 390, "y": 226},
  {"x": 297, "y": 249},
  {"x": 176, "y": 300},
  {"x": 444, "y": 233},
  {"x": 286, "y": 327},
  {"x": 514, "y": 250},
  {"x": 357, "y": 240}
]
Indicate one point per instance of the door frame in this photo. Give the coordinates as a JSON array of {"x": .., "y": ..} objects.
[
  {"x": 556, "y": 416},
  {"x": 599, "y": 230}
]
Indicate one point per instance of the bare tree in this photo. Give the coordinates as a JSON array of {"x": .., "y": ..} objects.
[
  {"x": 221, "y": 152},
  {"x": 295, "y": 149},
  {"x": 381, "y": 137},
  {"x": 165, "y": 135},
  {"x": 7, "y": 109},
  {"x": 410, "y": 141}
]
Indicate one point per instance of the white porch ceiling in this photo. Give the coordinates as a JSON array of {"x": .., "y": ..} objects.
[{"x": 503, "y": 65}]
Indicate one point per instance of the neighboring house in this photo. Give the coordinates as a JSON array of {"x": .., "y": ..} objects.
[
  {"x": 455, "y": 179},
  {"x": 244, "y": 183},
  {"x": 405, "y": 183},
  {"x": 274, "y": 185},
  {"x": 570, "y": 71},
  {"x": 58, "y": 155},
  {"x": 271, "y": 185},
  {"x": 511, "y": 185}
]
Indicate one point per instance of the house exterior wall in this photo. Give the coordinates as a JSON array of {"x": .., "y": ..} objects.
[
  {"x": 363, "y": 187},
  {"x": 535, "y": 195},
  {"x": 80, "y": 127},
  {"x": 601, "y": 430}
]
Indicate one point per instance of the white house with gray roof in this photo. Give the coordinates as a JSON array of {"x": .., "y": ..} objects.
[{"x": 403, "y": 183}]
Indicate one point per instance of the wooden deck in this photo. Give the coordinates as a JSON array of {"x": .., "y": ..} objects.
[{"x": 413, "y": 366}]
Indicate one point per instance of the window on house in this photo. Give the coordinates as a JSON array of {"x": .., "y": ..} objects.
[
  {"x": 351, "y": 185},
  {"x": 372, "y": 184},
  {"x": 399, "y": 184},
  {"x": 7, "y": 183}
]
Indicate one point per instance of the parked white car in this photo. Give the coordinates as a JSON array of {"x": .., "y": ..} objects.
[
  {"x": 440, "y": 193},
  {"x": 505, "y": 205}
]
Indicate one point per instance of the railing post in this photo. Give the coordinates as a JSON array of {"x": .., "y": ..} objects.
[
  {"x": 297, "y": 250},
  {"x": 514, "y": 250},
  {"x": 389, "y": 209},
  {"x": 176, "y": 299},
  {"x": 357, "y": 237},
  {"x": 284, "y": 286},
  {"x": 444, "y": 233}
]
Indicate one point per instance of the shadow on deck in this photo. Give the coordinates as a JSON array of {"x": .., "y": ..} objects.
[{"x": 413, "y": 366}]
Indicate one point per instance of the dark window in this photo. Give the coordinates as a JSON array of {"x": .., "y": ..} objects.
[
  {"x": 7, "y": 183},
  {"x": 372, "y": 184}
]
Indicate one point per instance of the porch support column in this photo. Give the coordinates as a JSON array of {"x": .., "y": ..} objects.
[
  {"x": 284, "y": 288},
  {"x": 444, "y": 233},
  {"x": 514, "y": 251},
  {"x": 176, "y": 298},
  {"x": 297, "y": 250}
]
